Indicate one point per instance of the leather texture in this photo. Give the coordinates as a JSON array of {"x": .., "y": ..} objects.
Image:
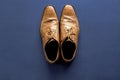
[
  {"x": 49, "y": 29},
  {"x": 69, "y": 28}
]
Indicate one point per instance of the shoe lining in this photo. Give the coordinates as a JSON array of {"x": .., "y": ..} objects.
[
  {"x": 68, "y": 49},
  {"x": 51, "y": 49}
]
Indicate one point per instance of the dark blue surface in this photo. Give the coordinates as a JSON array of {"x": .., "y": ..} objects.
[{"x": 21, "y": 54}]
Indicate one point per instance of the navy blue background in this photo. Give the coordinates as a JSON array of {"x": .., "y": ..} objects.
[{"x": 21, "y": 54}]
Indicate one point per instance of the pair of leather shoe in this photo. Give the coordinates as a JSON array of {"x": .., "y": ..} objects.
[{"x": 59, "y": 36}]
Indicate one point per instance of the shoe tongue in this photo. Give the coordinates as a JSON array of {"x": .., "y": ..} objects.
[
  {"x": 68, "y": 39},
  {"x": 52, "y": 39}
]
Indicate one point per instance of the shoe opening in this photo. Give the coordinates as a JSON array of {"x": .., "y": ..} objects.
[
  {"x": 51, "y": 49},
  {"x": 68, "y": 49}
]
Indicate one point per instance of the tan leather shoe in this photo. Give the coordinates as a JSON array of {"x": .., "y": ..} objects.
[
  {"x": 50, "y": 34},
  {"x": 69, "y": 31}
]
